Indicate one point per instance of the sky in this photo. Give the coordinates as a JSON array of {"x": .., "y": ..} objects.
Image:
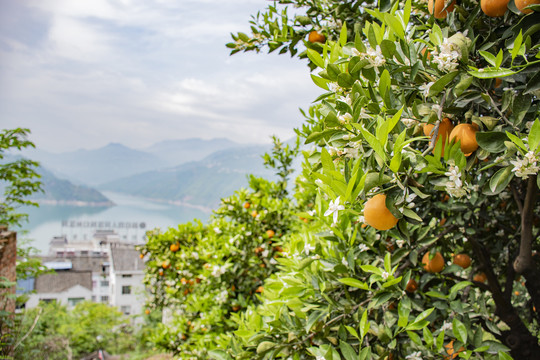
[{"x": 85, "y": 73}]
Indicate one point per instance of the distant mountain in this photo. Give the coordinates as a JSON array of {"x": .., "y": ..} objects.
[
  {"x": 116, "y": 161},
  {"x": 202, "y": 182},
  {"x": 58, "y": 191},
  {"x": 92, "y": 167},
  {"x": 176, "y": 152}
]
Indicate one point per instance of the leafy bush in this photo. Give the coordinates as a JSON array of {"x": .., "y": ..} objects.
[{"x": 205, "y": 274}]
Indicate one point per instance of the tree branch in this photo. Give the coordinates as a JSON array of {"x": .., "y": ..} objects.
[{"x": 524, "y": 259}]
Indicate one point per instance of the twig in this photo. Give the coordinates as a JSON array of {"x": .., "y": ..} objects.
[
  {"x": 30, "y": 330},
  {"x": 517, "y": 199},
  {"x": 500, "y": 112}
]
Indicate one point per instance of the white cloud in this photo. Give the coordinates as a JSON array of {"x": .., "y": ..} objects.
[{"x": 141, "y": 71}]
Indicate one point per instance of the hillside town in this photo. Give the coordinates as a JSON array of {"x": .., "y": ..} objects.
[{"x": 101, "y": 268}]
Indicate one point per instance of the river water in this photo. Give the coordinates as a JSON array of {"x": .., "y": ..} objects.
[{"x": 131, "y": 218}]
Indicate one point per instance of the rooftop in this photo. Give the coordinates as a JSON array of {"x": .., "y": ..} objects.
[
  {"x": 126, "y": 259},
  {"x": 63, "y": 280}
]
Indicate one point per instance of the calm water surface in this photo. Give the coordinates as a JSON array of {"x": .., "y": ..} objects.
[{"x": 78, "y": 221}]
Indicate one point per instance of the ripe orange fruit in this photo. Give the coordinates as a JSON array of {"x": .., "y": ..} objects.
[
  {"x": 462, "y": 260},
  {"x": 521, "y": 4},
  {"x": 466, "y": 134},
  {"x": 451, "y": 352},
  {"x": 165, "y": 264},
  {"x": 254, "y": 213},
  {"x": 174, "y": 247},
  {"x": 445, "y": 128},
  {"x": 434, "y": 265},
  {"x": 247, "y": 205},
  {"x": 260, "y": 289},
  {"x": 315, "y": 36},
  {"x": 160, "y": 272},
  {"x": 428, "y": 56},
  {"x": 270, "y": 233},
  {"x": 412, "y": 286},
  {"x": 141, "y": 256},
  {"x": 437, "y": 8},
  {"x": 236, "y": 308},
  {"x": 480, "y": 277},
  {"x": 147, "y": 311},
  {"x": 516, "y": 293},
  {"x": 377, "y": 214},
  {"x": 494, "y": 8}
]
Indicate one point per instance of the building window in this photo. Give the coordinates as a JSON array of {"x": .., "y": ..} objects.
[
  {"x": 126, "y": 309},
  {"x": 104, "y": 299},
  {"x": 74, "y": 301},
  {"x": 94, "y": 298},
  {"x": 48, "y": 300},
  {"x": 126, "y": 289},
  {"x": 104, "y": 283},
  {"x": 126, "y": 276}
]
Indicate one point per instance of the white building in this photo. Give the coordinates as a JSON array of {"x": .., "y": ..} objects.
[
  {"x": 66, "y": 287},
  {"x": 126, "y": 280}
]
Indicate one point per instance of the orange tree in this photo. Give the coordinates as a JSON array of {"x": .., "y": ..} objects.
[
  {"x": 201, "y": 274},
  {"x": 379, "y": 281}
]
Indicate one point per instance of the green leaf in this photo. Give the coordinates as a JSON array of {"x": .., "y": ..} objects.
[
  {"x": 463, "y": 84},
  {"x": 347, "y": 351},
  {"x": 499, "y": 59},
  {"x": 440, "y": 340},
  {"x": 265, "y": 346},
  {"x": 403, "y": 312},
  {"x": 326, "y": 160},
  {"x": 460, "y": 330},
  {"x": 364, "y": 325},
  {"x": 374, "y": 143},
  {"x": 320, "y": 82},
  {"x": 520, "y": 107},
  {"x": 343, "y": 35},
  {"x": 415, "y": 338},
  {"x": 423, "y": 315},
  {"x": 428, "y": 337},
  {"x": 371, "y": 269},
  {"x": 417, "y": 325},
  {"x": 534, "y": 135},
  {"x": 492, "y": 141},
  {"x": 315, "y": 57},
  {"x": 352, "y": 331},
  {"x": 490, "y": 58},
  {"x": 517, "y": 141},
  {"x": 354, "y": 283},
  {"x": 517, "y": 45},
  {"x": 490, "y": 73},
  {"x": 501, "y": 179},
  {"x": 411, "y": 214},
  {"x": 218, "y": 355},
  {"x": 384, "y": 83},
  {"x": 459, "y": 286},
  {"x": 504, "y": 356},
  {"x": 440, "y": 84}
]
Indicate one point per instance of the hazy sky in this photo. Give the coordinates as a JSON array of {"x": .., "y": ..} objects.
[{"x": 84, "y": 73}]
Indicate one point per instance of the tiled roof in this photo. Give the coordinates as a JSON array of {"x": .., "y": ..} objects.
[
  {"x": 63, "y": 280},
  {"x": 126, "y": 259}
]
